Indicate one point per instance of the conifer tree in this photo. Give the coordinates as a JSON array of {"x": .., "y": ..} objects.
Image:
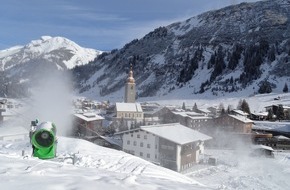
[
  {"x": 285, "y": 89},
  {"x": 270, "y": 114},
  {"x": 183, "y": 106},
  {"x": 194, "y": 107},
  {"x": 245, "y": 106},
  {"x": 280, "y": 113}
]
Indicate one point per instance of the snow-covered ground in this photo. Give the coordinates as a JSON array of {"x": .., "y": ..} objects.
[
  {"x": 236, "y": 169},
  {"x": 95, "y": 168}
]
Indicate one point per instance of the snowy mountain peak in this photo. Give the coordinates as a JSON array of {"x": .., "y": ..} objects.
[
  {"x": 60, "y": 51},
  {"x": 22, "y": 65}
]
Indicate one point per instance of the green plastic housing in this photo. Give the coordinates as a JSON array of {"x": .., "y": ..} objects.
[{"x": 44, "y": 141}]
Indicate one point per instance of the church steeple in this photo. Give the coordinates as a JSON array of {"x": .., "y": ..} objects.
[
  {"x": 130, "y": 92},
  {"x": 130, "y": 78}
]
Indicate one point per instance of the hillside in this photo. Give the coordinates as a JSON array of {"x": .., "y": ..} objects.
[
  {"x": 228, "y": 51},
  {"x": 99, "y": 167},
  {"x": 95, "y": 167}
]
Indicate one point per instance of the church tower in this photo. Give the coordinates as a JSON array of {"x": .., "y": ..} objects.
[{"x": 130, "y": 91}]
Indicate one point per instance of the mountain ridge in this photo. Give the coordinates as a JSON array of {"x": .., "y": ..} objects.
[
  {"x": 22, "y": 66},
  {"x": 226, "y": 51}
]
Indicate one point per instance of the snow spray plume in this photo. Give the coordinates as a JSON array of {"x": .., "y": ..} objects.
[{"x": 51, "y": 101}]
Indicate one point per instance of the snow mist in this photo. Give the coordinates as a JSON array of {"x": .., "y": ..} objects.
[{"x": 51, "y": 100}]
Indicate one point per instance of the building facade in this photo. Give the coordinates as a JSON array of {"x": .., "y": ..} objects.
[
  {"x": 88, "y": 124},
  {"x": 128, "y": 116},
  {"x": 173, "y": 146},
  {"x": 233, "y": 123}
]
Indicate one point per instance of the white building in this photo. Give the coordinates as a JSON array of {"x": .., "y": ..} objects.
[
  {"x": 128, "y": 115},
  {"x": 13, "y": 133},
  {"x": 173, "y": 146}
]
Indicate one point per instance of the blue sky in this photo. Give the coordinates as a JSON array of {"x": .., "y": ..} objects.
[{"x": 98, "y": 24}]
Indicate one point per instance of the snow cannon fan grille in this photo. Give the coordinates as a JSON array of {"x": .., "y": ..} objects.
[{"x": 44, "y": 138}]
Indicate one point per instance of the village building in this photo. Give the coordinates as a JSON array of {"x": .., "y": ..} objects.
[
  {"x": 166, "y": 115},
  {"x": 229, "y": 131},
  {"x": 215, "y": 111},
  {"x": 173, "y": 146},
  {"x": 280, "y": 134},
  {"x": 233, "y": 123},
  {"x": 275, "y": 110},
  {"x": 9, "y": 110},
  {"x": 128, "y": 116},
  {"x": 88, "y": 124},
  {"x": 189, "y": 119},
  {"x": 192, "y": 120},
  {"x": 13, "y": 134},
  {"x": 260, "y": 116}
]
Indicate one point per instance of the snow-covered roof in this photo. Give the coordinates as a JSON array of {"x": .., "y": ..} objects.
[
  {"x": 261, "y": 114},
  {"x": 10, "y": 131},
  {"x": 89, "y": 116},
  {"x": 262, "y": 147},
  {"x": 187, "y": 114},
  {"x": 176, "y": 133},
  {"x": 240, "y": 112},
  {"x": 281, "y": 137},
  {"x": 10, "y": 112},
  {"x": 272, "y": 126},
  {"x": 204, "y": 110},
  {"x": 242, "y": 119},
  {"x": 129, "y": 107}
]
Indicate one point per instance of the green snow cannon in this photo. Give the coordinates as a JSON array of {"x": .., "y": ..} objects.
[{"x": 44, "y": 141}]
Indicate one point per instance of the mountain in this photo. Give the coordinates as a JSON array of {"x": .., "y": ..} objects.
[
  {"x": 236, "y": 50},
  {"x": 22, "y": 65}
]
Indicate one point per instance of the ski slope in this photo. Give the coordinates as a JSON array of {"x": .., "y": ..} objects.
[{"x": 94, "y": 167}]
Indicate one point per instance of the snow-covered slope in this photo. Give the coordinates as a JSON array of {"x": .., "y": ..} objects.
[
  {"x": 95, "y": 168},
  {"x": 57, "y": 50},
  {"x": 227, "y": 51}
]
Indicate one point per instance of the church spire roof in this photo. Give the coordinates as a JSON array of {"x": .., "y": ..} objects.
[{"x": 130, "y": 78}]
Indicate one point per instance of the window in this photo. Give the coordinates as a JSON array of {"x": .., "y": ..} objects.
[
  {"x": 132, "y": 135},
  {"x": 145, "y": 136},
  {"x": 156, "y": 146},
  {"x": 148, "y": 155},
  {"x": 128, "y": 142},
  {"x": 155, "y": 156},
  {"x": 138, "y": 136},
  {"x": 134, "y": 143},
  {"x": 141, "y": 153},
  {"x": 141, "y": 144},
  {"x": 148, "y": 145}
]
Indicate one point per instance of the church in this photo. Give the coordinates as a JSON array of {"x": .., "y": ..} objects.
[{"x": 129, "y": 114}]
